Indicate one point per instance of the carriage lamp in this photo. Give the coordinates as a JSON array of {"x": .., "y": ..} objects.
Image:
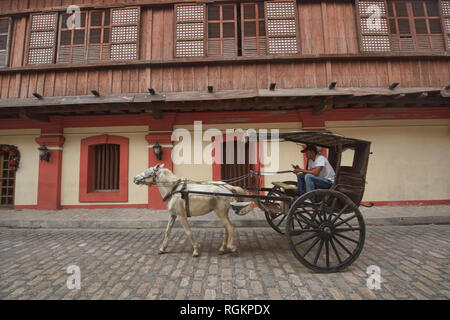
[
  {"x": 157, "y": 149},
  {"x": 210, "y": 89},
  {"x": 44, "y": 154},
  {"x": 272, "y": 86},
  {"x": 332, "y": 85}
]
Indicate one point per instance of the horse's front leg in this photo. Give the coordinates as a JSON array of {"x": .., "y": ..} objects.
[
  {"x": 189, "y": 233},
  {"x": 167, "y": 234}
]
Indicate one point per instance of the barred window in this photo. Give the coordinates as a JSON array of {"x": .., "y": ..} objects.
[{"x": 106, "y": 167}]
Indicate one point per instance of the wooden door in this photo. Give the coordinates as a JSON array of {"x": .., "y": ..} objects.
[
  {"x": 7, "y": 181},
  {"x": 234, "y": 170}
]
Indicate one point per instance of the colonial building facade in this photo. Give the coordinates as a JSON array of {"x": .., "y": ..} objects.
[{"x": 97, "y": 84}]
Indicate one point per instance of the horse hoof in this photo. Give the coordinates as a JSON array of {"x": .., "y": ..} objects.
[
  {"x": 221, "y": 252},
  {"x": 195, "y": 254},
  {"x": 162, "y": 251}
]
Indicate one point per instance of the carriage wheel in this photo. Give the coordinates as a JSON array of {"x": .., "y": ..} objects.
[
  {"x": 276, "y": 211},
  {"x": 325, "y": 230}
]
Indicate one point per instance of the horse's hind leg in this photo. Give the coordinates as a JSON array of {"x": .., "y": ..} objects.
[
  {"x": 189, "y": 233},
  {"x": 223, "y": 247},
  {"x": 167, "y": 234},
  {"x": 229, "y": 231}
]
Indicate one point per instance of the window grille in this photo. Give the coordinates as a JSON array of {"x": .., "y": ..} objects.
[{"x": 42, "y": 38}]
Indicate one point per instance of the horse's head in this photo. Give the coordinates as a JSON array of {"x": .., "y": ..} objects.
[{"x": 150, "y": 176}]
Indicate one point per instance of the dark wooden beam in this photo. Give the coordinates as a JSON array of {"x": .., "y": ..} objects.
[
  {"x": 32, "y": 116},
  {"x": 322, "y": 108}
]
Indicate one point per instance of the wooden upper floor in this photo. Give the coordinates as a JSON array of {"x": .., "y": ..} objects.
[
  {"x": 117, "y": 47},
  {"x": 45, "y": 33}
]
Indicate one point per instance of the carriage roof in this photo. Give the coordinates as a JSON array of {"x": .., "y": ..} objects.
[{"x": 325, "y": 139}]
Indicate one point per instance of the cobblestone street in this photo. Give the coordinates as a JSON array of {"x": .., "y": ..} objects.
[{"x": 124, "y": 264}]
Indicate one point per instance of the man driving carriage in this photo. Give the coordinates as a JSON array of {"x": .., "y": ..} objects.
[{"x": 318, "y": 175}]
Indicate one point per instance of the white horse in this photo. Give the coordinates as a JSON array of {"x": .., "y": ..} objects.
[{"x": 198, "y": 204}]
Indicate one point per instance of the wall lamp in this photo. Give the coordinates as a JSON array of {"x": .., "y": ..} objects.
[
  {"x": 44, "y": 153},
  {"x": 157, "y": 150}
]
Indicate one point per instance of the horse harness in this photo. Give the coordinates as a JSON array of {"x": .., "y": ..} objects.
[{"x": 184, "y": 194}]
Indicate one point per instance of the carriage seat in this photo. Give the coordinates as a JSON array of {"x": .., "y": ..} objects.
[{"x": 285, "y": 186}]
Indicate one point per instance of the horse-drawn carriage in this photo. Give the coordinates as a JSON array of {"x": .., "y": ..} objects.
[{"x": 324, "y": 227}]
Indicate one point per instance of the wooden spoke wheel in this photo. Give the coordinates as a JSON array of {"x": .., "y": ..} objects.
[
  {"x": 276, "y": 211},
  {"x": 325, "y": 230}
]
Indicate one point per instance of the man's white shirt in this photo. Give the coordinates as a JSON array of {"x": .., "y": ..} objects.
[{"x": 327, "y": 171}]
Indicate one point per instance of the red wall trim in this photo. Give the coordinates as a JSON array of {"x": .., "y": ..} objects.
[
  {"x": 86, "y": 193},
  {"x": 237, "y": 117},
  {"x": 49, "y": 177},
  {"x": 154, "y": 196}
]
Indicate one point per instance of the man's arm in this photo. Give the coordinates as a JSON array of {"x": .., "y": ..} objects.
[{"x": 314, "y": 172}]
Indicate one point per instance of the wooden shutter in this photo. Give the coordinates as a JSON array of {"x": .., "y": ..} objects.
[
  {"x": 72, "y": 41},
  {"x": 189, "y": 30},
  {"x": 5, "y": 35},
  {"x": 282, "y": 30},
  {"x": 99, "y": 35},
  {"x": 42, "y": 38},
  {"x": 445, "y": 15},
  {"x": 253, "y": 29},
  {"x": 373, "y": 25},
  {"x": 106, "y": 167},
  {"x": 124, "y": 33},
  {"x": 222, "y": 30}
]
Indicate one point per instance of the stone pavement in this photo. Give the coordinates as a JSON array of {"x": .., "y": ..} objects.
[
  {"x": 124, "y": 264},
  {"x": 126, "y": 218}
]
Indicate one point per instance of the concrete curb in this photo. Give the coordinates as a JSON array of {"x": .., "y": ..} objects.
[{"x": 159, "y": 224}]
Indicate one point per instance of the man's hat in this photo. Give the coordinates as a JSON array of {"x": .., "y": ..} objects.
[{"x": 310, "y": 147}]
